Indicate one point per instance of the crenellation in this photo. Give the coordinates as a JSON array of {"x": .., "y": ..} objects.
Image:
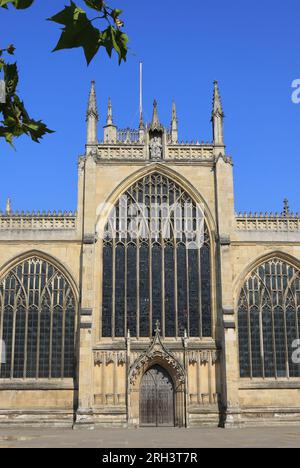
[
  {"x": 66, "y": 220},
  {"x": 268, "y": 221}
]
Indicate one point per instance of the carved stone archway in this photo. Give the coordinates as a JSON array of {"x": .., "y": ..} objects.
[{"x": 157, "y": 354}]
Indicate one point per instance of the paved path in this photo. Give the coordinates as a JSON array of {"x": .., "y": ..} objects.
[{"x": 150, "y": 438}]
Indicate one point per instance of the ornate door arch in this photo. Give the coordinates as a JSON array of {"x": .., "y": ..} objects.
[
  {"x": 157, "y": 399},
  {"x": 167, "y": 388}
]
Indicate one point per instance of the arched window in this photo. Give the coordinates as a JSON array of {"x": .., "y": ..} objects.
[
  {"x": 153, "y": 267},
  {"x": 37, "y": 322},
  {"x": 269, "y": 321}
]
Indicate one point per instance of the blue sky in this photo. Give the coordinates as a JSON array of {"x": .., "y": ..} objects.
[{"x": 251, "y": 47}]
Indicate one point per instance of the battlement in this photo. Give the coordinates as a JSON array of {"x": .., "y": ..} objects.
[
  {"x": 280, "y": 222},
  {"x": 38, "y": 220}
]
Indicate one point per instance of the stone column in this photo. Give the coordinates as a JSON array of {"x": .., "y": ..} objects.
[
  {"x": 226, "y": 316},
  {"x": 84, "y": 415}
]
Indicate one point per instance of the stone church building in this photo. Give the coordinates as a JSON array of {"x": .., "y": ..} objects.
[{"x": 131, "y": 312}]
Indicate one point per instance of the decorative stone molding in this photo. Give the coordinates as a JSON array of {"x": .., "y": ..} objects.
[
  {"x": 193, "y": 357},
  {"x": 225, "y": 240},
  {"x": 81, "y": 163},
  {"x": 205, "y": 400},
  {"x": 204, "y": 356},
  {"x": 229, "y": 325},
  {"x": 86, "y": 326},
  {"x": 51, "y": 221},
  {"x": 226, "y": 159},
  {"x": 89, "y": 239},
  {"x": 128, "y": 136},
  {"x": 214, "y": 356},
  {"x": 156, "y": 351},
  {"x": 268, "y": 222},
  {"x": 117, "y": 152},
  {"x": 184, "y": 152},
  {"x": 86, "y": 312},
  {"x": 134, "y": 149},
  {"x": 102, "y": 357}
]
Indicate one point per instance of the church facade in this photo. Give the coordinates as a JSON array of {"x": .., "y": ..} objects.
[{"x": 155, "y": 304}]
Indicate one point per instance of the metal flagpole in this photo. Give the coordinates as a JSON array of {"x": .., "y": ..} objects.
[{"x": 141, "y": 89}]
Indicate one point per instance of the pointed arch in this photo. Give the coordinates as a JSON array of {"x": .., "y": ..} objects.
[
  {"x": 266, "y": 340},
  {"x": 157, "y": 354},
  {"x": 58, "y": 264},
  {"x": 39, "y": 335},
  {"x": 163, "y": 276},
  {"x": 113, "y": 197},
  {"x": 240, "y": 279}
]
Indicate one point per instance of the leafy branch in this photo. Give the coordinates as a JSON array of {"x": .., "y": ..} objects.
[
  {"x": 16, "y": 121},
  {"x": 78, "y": 31}
]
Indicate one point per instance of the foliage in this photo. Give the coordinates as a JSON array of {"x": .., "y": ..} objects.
[
  {"x": 78, "y": 31},
  {"x": 16, "y": 121}
]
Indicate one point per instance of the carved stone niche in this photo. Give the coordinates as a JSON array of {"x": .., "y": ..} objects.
[
  {"x": 156, "y": 145},
  {"x": 203, "y": 357},
  {"x": 110, "y": 357}
]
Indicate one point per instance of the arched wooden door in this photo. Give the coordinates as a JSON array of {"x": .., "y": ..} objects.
[{"x": 157, "y": 398}]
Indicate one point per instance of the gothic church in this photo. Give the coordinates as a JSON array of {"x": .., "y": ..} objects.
[{"x": 100, "y": 326}]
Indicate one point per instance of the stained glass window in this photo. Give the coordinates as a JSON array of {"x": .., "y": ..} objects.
[
  {"x": 268, "y": 323},
  {"x": 37, "y": 322},
  {"x": 151, "y": 268}
]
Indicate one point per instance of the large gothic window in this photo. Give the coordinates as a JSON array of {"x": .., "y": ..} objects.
[
  {"x": 156, "y": 272},
  {"x": 37, "y": 322},
  {"x": 269, "y": 321}
]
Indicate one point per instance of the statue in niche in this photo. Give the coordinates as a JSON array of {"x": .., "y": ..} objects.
[{"x": 156, "y": 148}]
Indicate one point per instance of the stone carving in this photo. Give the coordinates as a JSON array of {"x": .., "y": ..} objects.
[
  {"x": 109, "y": 357},
  {"x": 185, "y": 152},
  {"x": 38, "y": 221},
  {"x": 81, "y": 163},
  {"x": 121, "y": 152},
  {"x": 128, "y": 135},
  {"x": 156, "y": 148},
  {"x": 193, "y": 357},
  {"x": 214, "y": 356},
  {"x": 268, "y": 222},
  {"x": 156, "y": 351},
  {"x": 121, "y": 358},
  {"x": 203, "y": 356}
]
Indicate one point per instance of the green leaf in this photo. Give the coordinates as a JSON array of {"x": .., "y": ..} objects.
[
  {"x": 16, "y": 121},
  {"x": 95, "y": 4},
  {"x": 11, "y": 77},
  {"x": 113, "y": 38},
  {"x": 18, "y": 4},
  {"x": 78, "y": 31}
]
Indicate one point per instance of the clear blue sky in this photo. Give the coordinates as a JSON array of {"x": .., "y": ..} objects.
[{"x": 251, "y": 47}]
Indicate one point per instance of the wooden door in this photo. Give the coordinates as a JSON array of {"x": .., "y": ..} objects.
[{"x": 156, "y": 398}]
